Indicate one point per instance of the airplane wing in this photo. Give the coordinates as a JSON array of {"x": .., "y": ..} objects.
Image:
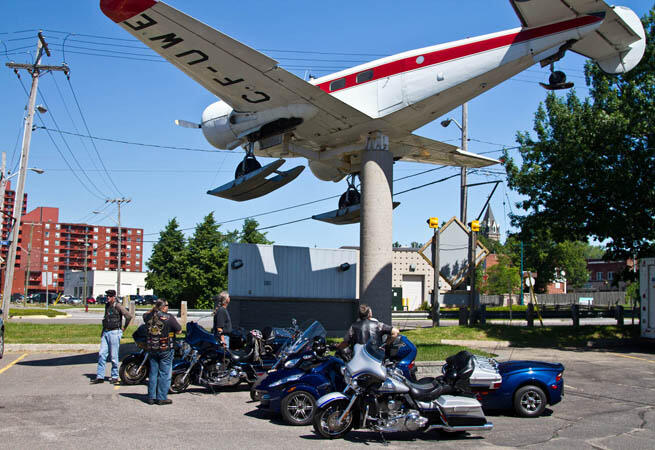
[
  {"x": 244, "y": 78},
  {"x": 617, "y": 46},
  {"x": 424, "y": 150}
]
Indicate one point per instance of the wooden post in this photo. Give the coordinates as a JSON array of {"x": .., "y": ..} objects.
[
  {"x": 575, "y": 314},
  {"x": 463, "y": 315},
  {"x": 530, "y": 314},
  {"x": 133, "y": 309},
  {"x": 183, "y": 313},
  {"x": 619, "y": 315}
]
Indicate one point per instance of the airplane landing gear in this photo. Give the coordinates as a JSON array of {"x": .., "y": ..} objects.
[
  {"x": 249, "y": 162},
  {"x": 556, "y": 80}
]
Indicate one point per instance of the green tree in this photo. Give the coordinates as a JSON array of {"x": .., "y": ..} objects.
[
  {"x": 397, "y": 245},
  {"x": 166, "y": 265},
  {"x": 590, "y": 170},
  {"x": 502, "y": 277},
  {"x": 416, "y": 245},
  {"x": 250, "y": 235},
  {"x": 206, "y": 258}
]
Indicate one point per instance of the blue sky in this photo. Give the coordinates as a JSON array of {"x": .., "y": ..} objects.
[{"x": 131, "y": 95}]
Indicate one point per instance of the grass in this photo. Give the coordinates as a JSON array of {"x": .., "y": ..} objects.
[
  {"x": 37, "y": 333},
  {"x": 34, "y": 312},
  {"x": 542, "y": 337}
]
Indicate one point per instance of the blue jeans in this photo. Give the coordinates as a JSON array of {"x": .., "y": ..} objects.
[
  {"x": 109, "y": 344},
  {"x": 159, "y": 379}
]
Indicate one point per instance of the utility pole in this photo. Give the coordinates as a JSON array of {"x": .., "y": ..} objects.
[
  {"x": 86, "y": 245},
  {"x": 35, "y": 71},
  {"x": 463, "y": 188},
  {"x": 433, "y": 222},
  {"x": 3, "y": 184},
  {"x": 118, "y": 202}
]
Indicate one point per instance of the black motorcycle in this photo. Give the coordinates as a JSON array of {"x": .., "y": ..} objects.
[{"x": 211, "y": 365}]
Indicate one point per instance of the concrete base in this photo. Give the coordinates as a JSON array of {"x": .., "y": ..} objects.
[{"x": 376, "y": 227}]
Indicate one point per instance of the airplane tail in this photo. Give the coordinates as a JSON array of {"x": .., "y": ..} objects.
[{"x": 616, "y": 46}]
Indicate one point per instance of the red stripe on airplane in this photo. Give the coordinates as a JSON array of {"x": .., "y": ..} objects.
[
  {"x": 121, "y": 10},
  {"x": 449, "y": 54}
]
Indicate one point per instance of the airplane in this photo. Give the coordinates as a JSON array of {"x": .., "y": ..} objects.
[{"x": 273, "y": 113}]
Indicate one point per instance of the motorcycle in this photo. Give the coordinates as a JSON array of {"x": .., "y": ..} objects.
[
  {"x": 294, "y": 389},
  {"x": 207, "y": 363},
  {"x": 382, "y": 399},
  {"x": 135, "y": 367}
]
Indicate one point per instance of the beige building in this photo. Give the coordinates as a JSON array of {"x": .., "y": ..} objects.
[{"x": 415, "y": 276}]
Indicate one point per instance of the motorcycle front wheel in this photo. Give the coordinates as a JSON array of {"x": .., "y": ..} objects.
[
  {"x": 129, "y": 370},
  {"x": 326, "y": 418},
  {"x": 179, "y": 385}
]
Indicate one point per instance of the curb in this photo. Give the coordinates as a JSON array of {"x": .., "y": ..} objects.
[
  {"x": 52, "y": 347},
  {"x": 58, "y": 316}
]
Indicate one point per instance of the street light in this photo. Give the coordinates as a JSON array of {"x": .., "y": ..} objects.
[{"x": 464, "y": 129}]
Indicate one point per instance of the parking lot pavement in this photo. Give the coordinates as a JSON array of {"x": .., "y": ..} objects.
[{"x": 46, "y": 400}]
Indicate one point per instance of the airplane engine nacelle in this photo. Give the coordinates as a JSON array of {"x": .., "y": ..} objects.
[
  {"x": 326, "y": 172},
  {"x": 225, "y": 128}
]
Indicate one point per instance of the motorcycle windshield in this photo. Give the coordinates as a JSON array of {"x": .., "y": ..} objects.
[
  {"x": 373, "y": 349},
  {"x": 315, "y": 329}
]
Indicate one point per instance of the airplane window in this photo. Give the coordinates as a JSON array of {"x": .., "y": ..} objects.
[
  {"x": 338, "y": 84},
  {"x": 365, "y": 76}
]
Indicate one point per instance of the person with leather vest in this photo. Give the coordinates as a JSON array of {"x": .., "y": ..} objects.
[
  {"x": 365, "y": 328},
  {"x": 112, "y": 332},
  {"x": 161, "y": 327}
]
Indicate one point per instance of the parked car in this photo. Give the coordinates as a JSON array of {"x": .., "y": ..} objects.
[
  {"x": 527, "y": 387},
  {"x": 137, "y": 299},
  {"x": 17, "y": 298},
  {"x": 2, "y": 336},
  {"x": 90, "y": 301},
  {"x": 74, "y": 301},
  {"x": 101, "y": 299},
  {"x": 150, "y": 299}
]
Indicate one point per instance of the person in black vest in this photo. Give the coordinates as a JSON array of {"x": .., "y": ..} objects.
[
  {"x": 160, "y": 329},
  {"x": 112, "y": 332},
  {"x": 222, "y": 321},
  {"x": 365, "y": 328}
]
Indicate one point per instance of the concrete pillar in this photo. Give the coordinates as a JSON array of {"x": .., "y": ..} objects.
[
  {"x": 376, "y": 227},
  {"x": 183, "y": 313}
]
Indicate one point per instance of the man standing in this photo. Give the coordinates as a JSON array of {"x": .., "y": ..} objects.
[
  {"x": 222, "y": 321},
  {"x": 112, "y": 332},
  {"x": 160, "y": 327},
  {"x": 366, "y": 328}
]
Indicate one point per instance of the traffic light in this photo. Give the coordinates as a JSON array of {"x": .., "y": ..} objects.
[
  {"x": 475, "y": 225},
  {"x": 433, "y": 222}
]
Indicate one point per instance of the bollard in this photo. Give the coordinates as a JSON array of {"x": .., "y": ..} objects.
[
  {"x": 619, "y": 315},
  {"x": 183, "y": 314},
  {"x": 575, "y": 315},
  {"x": 463, "y": 315},
  {"x": 530, "y": 315},
  {"x": 483, "y": 314}
]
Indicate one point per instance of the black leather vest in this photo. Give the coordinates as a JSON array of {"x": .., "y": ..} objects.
[
  {"x": 113, "y": 318},
  {"x": 157, "y": 332},
  {"x": 365, "y": 330}
]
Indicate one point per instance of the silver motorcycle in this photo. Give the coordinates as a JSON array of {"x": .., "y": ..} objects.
[{"x": 378, "y": 397}]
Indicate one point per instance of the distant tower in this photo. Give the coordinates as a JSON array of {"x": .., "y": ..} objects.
[{"x": 490, "y": 227}]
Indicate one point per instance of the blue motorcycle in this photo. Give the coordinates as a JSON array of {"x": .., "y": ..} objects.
[{"x": 305, "y": 374}]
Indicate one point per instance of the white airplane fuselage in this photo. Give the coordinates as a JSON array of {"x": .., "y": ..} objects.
[{"x": 407, "y": 90}]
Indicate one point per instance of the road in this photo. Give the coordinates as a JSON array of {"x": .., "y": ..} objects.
[{"x": 46, "y": 401}]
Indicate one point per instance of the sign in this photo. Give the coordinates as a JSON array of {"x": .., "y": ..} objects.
[
  {"x": 5, "y": 243},
  {"x": 586, "y": 300},
  {"x": 453, "y": 252},
  {"x": 46, "y": 278}
]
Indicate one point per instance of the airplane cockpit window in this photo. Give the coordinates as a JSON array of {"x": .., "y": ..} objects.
[
  {"x": 365, "y": 76},
  {"x": 338, "y": 84}
]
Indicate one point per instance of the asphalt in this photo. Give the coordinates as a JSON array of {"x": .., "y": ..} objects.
[{"x": 46, "y": 401}]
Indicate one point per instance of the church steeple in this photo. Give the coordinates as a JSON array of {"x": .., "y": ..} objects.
[{"x": 490, "y": 228}]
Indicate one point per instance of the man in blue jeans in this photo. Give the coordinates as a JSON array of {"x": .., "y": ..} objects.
[
  {"x": 160, "y": 327},
  {"x": 112, "y": 332}
]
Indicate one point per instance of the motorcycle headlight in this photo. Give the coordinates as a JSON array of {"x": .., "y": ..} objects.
[
  {"x": 291, "y": 363},
  {"x": 285, "y": 380}
]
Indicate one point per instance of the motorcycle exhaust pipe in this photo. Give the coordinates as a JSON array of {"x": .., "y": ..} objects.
[{"x": 451, "y": 429}]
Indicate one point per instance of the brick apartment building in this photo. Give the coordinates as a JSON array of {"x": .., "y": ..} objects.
[{"x": 47, "y": 245}]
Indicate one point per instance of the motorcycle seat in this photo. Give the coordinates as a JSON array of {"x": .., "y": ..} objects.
[
  {"x": 425, "y": 392},
  {"x": 241, "y": 355}
]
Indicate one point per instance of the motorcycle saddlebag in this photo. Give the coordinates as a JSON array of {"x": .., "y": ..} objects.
[
  {"x": 461, "y": 411},
  {"x": 485, "y": 374}
]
